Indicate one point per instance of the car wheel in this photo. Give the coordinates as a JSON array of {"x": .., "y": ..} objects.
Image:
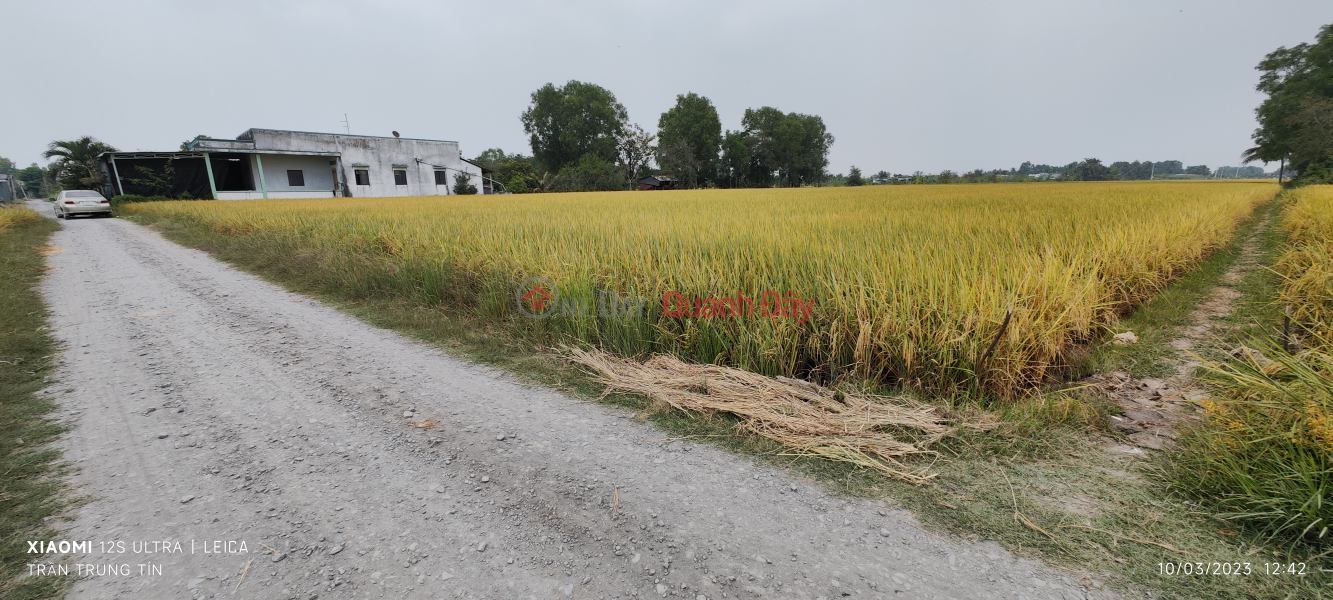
[{"x": 60, "y": 215}]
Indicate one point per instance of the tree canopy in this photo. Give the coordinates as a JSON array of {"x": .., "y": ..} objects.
[
  {"x": 1296, "y": 117},
  {"x": 789, "y": 146},
  {"x": 33, "y": 178},
  {"x": 75, "y": 166},
  {"x": 693, "y": 121},
  {"x": 564, "y": 123},
  {"x": 493, "y": 158}
]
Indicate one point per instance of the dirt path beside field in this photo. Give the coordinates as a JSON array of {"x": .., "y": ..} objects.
[
  {"x": 1152, "y": 407},
  {"x": 210, "y": 408}
]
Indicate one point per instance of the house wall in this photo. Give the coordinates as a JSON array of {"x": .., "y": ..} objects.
[
  {"x": 379, "y": 155},
  {"x": 317, "y": 170}
]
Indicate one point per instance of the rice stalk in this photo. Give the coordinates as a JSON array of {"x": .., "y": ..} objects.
[{"x": 875, "y": 432}]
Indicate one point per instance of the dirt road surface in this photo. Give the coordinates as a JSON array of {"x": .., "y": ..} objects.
[{"x": 210, "y": 408}]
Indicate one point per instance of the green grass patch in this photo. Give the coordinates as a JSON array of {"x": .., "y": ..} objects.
[
  {"x": 1046, "y": 460},
  {"x": 31, "y": 490}
]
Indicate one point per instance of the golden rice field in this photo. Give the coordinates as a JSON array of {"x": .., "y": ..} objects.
[
  {"x": 910, "y": 283},
  {"x": 1307, "y": 264}
]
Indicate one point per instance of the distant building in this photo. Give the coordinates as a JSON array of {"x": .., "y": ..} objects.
[
  {"x": 271, "y": 163},
  {"x": 10, "y": 189},
  {"x": 657, "y": 182}
]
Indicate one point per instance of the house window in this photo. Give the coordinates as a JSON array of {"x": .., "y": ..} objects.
[
  {"x": 400, "y": 177},
  {"x": 295, "y": 178},
  {"x": 441, "y": 177},
  {"x": 363, "y": 177}
]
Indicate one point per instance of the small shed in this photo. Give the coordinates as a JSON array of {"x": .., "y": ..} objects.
[
  {"x": 657, "y": 182},
  {"x": 10, "y": 189}
]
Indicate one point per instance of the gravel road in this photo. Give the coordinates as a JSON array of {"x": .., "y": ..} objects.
[{"x": 210, "y": 409}]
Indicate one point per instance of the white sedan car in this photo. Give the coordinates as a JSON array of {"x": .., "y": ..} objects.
[{"x": 81, "y": 202}]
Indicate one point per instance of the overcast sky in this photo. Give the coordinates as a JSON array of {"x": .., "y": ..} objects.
[{"x": 903, "y": 86}]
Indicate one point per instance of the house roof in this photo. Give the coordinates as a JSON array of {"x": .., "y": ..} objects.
[{"x": 385, "y": 137}]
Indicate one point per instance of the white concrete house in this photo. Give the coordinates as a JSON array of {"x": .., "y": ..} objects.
[
  {"x": 297, "y": 164},
  {"x": 272, "y": 163}
]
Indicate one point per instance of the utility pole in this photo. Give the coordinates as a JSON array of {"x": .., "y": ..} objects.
[{"x": 1152, "y": 172}]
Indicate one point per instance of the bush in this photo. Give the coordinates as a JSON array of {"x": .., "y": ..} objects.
[
  {"x": 463, "y": 184},
  {"x": 591, "y": 174}
]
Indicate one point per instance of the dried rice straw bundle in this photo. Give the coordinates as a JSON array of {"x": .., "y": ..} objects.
[{"x": 872, "y": 431}]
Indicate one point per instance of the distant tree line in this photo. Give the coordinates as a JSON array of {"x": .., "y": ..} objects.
[
  {"x": 1090, "y": 169},
  {"x": 582, "y": 140}
]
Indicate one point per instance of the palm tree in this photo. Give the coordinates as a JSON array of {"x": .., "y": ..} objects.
[{"x": 76, "y": 162}]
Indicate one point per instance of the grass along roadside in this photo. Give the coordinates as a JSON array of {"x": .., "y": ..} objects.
[
  {"x": 1047, "y": 462},
  {"x": 31, "y": 492}
]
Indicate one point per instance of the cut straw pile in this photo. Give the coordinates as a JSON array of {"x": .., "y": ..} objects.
[{"x": 871, "y": 431}]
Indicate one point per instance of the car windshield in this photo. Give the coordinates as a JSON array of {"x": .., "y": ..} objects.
[{"x": 82, "y": 194}]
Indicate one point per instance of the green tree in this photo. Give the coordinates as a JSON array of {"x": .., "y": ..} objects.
[
  {"x": 1312, "y": 144},
  {"x": 515, "y": 170},
  {"x": 947, "y": 176},
  {"x": 517, "y": 185},
  {"x": 792, "y": 145},
  {"x": 738, "y": 164},
  {"x": 565, "y": 123},
  {"x": 1091, "y": 169},
  {"x": 677, "y": 160},
  {"x": 1199, "y": 170},
  {"x": 33, "y": 178},
  {"x": 636, "y": 152},
  {"x": 6, "y": 166},
  {"x": 75, "y": 167},
  {"x": 463, "y": 184},
  {"x": 591, "y": 173},
  {"x": 1292, "y": 78},
  {"x": 493, "y": 158},
  {"x": 854, "y": 177},
  {"x": 694, "y": 121}
]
